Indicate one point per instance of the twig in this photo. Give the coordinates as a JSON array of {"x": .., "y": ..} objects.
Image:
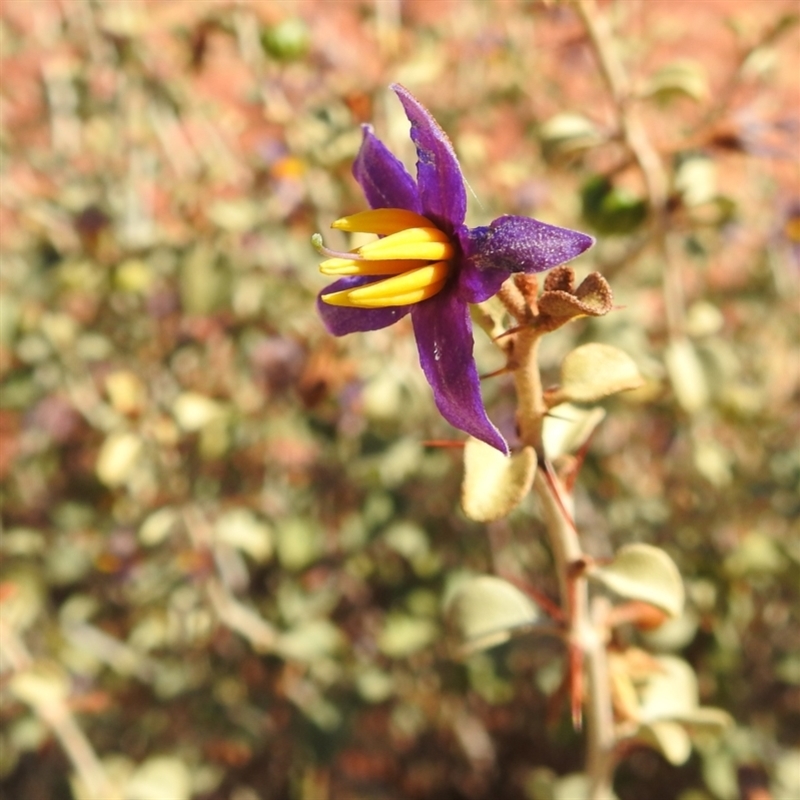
[
  {"x": 722, "y": 99},
  {"x": 62, "y": 100},
  {"x": 388, "y": 26},
  {"x": 55, "y": 712},
  {"x": 121, "y": 657},
  {"x": 644, "y": 153},
  {"x": 633, "y": 132},
  {"x": 235, "y": 615}
]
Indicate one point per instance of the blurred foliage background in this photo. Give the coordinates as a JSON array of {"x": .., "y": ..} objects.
[{"x": 225, "y": 542}]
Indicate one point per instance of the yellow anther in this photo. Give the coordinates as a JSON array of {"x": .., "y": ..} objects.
[
  {"x": 400, "y": 290},
  {"x": 345, "y": 266},
  {"x": 407, "y": 299},
  {"x": 429, "y": 244},
  {"x": 382, "y": 221}
]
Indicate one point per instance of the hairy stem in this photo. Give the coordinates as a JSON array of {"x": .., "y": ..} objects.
[
  {"x": 586, "y": 637},
  {"x": 586, "y": 632},
  {"x": 601, "y": 736},
  {"x": 528, "y": 384}
]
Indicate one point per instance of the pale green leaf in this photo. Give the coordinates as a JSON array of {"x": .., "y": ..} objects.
[
  {"x": 787, "y": 776},
  {"x": 193, "y": 411},
  {"x": 158, "y": 778},
  {"x": 575, "y": 786},
  {"x": 25, "y": 597},
  {"x": 310, "y": 640},
  {"x": 60, "y": 329},
  {"x": 568, "y": 132},
  {"x": 374, "y": 685},
  {"x": 134, "y": 275},
  {"x": 696, "y": 180},
  {"x": 9, "y": 317},
  {"x": 714, "y": 462},
  {"x": 706, "y": 718},
  {"x": 671, "y": 692},
  {"x": 240, "y": 528},
  {"x": 491, "y": 315},
  {"x": 41, "y": 686},
  {"x": 123, "y": 20},
  {"x": 9, "y": 756},
  {"x": 118, "y": 770},
  {"x": 788, "y": 669},
  {"x": 487, "y": 609},
  {"x": 204, "y": 284},
  {"x": 687, "y": 375},
  {"x": 646, "y": 573},
  {"x": 567, "y": 428},
  {"x": 126, "y": 391},
  {"x": 237, "y": 215},
  {"x": 675, "y": 634},
  {"x": 403, "y": 635},
  {"x": 756, "y": 554},
  {"x": 158, "y": 526},
  {"x": 118, "y": 456},
  {"x": 66, "y": 562},
  {"x": 493, "y": 484},
  {"x": 407, "y": 539},
  {"x": 683, "y": 77},
  {"x": 28, "y": 733},
  {"x": 669, "y": 738},
  {"x": 595, "y": 370},
  {"x": 298, "y": 543},
  {"x": 22, "y": 541},
  {"x": 704, "y": 319}
]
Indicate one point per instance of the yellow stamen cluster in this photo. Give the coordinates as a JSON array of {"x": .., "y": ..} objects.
[{"x": 412, "y": 251}]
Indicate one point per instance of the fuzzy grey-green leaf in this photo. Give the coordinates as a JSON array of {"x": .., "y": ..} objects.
[
  {"x": 646, "y": 573},
  {"x": 493, "y": 484},
  {"x": 567, "y": 428},
  {"x": 669, "y": 738},
  {"x": 669, "y": 693},
  {"x": 596, "y": 370},
  {"x": 683, "y": 77},
  {"x": 687, "y": 375},
  {"x": 707, "y": 718},
  {"x": 404, "y": 634},
  {"x": 160, "y": 777},
  {"x": 567, "y": 133},
  {"x": 486, "y": 609}
]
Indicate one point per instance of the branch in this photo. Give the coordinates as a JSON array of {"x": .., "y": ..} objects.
[
  {"x": 54, "y": 711},
  {"x": 230, "y": 611},
  {"x": 648, "y": 160}
]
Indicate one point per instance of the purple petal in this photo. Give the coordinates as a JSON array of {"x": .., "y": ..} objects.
[
  {"x": 513, "y": 244},
  {"x": 441, "y": 184},
  {"x": 341, "y": 320},
  {"x": 444, "y": 340},
  {"x": 384, "y": 179},
  {"x": 476, "y": 284}
]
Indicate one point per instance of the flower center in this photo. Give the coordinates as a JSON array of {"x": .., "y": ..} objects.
[{"x": 412, "y": 251}]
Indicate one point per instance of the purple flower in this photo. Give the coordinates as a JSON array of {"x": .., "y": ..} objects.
[{"x": 429, "y": 264}]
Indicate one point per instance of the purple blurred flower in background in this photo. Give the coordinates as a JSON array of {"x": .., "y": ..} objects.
[{"x": 430, "y": 264}]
